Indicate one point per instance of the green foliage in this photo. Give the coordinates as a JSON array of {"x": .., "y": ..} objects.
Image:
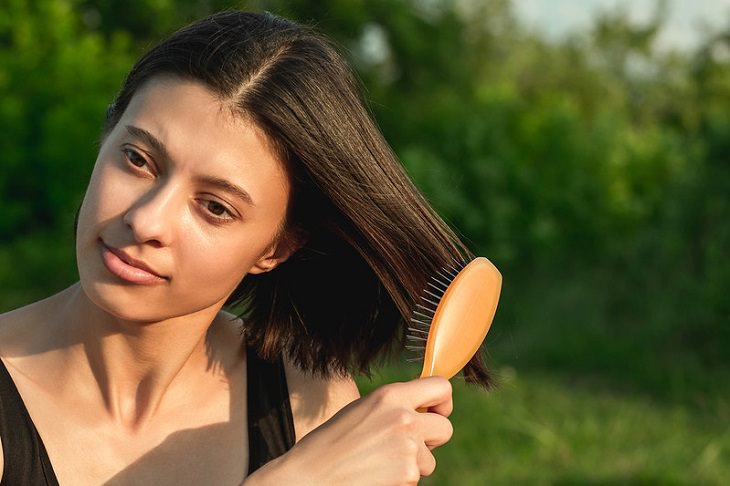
[{"x": 56, "y": 78}]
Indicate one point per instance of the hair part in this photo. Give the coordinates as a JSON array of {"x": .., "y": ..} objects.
[{"x": 369, "y": 240}]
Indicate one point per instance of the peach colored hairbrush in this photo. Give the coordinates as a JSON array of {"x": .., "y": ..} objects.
[{"x": 449, "y": 325}]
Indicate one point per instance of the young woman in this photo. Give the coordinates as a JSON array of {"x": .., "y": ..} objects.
[{"x": 237, "y": 166}]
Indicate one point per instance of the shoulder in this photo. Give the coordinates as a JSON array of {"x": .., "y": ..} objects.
[
  {"x": 315, "y": 400},
  {"x": 16, "y": 335},
  {"x": 17, "y": 331},
  {"x": 12, "y": 324},
  {"x": 8, "y": 323},
  {"x": 19, "y": 328}
]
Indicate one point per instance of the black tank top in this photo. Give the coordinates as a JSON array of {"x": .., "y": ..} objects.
[{"x": 270, "y": 425}]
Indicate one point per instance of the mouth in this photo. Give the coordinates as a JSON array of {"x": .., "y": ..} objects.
[{"x": 128, "y": 268}]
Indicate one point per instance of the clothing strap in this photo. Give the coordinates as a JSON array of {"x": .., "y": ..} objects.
[
  {"x": 270, "y": 420},
  {"x": 26, "y": 460}
]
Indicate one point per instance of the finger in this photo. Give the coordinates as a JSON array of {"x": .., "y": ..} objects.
[
  {"x": 435, "y": 429},
  {"x": 444, "y": 408},
  {"x": 431, "y": 392},
  {"x": 426, "y": 461}
]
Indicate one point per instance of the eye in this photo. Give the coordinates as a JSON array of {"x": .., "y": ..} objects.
[
  {"x": 217, "y": 208},
  {"x": 216, "y": 211},
  {"x": 134, "y": 158},
  {"x": 138, "y": 160}
]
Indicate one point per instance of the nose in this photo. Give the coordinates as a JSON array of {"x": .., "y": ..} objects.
[{"x": 151, "y": 217}]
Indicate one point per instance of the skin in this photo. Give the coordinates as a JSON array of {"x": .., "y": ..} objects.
[
  {"x": 379, "y": 439},
  {"x": 137, "y": 361}
]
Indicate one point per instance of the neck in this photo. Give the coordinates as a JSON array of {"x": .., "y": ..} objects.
[{"x": 135, "y": 365}]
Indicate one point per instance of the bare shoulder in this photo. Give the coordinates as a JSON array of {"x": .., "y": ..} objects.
[
  {"x": 19, "y": 327},
  {"x": 12, "y": 321},
  {"x": 8, "y": 323},
  {"x": 16, "y": 331},
  {"x": 315, "y": 400}
]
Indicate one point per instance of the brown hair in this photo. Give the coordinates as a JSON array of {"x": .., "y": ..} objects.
[{"x": 371, "y": 241}]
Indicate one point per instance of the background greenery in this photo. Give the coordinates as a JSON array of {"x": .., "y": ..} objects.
[{"x": 594, "y": 172}]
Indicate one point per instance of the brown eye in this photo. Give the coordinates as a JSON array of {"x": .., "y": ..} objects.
[
  {"x": 216, "y": 208},
  {"x": 134, "y": 158},
  {"x": 214, "y": 212}
]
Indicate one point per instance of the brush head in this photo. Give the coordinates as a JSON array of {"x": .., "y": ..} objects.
[{"x": 454, "y": 317}]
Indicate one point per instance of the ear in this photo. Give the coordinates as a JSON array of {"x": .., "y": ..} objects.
[{"x": 279, "y": 251}]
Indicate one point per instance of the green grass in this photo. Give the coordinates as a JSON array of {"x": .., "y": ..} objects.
[{"x": 543, "y": 429}]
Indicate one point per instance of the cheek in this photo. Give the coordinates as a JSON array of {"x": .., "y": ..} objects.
[
  {"x": 106, "y": 193},
  {"x": 216, "y": 265},
  {"x": 106, "y": 199},
  {"x": 89, "y": 210}
]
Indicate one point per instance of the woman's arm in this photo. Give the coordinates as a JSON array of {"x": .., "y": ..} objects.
[{"x": 376, "y": 439}]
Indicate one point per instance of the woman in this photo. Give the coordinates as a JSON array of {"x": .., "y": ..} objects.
[{"x": 237, "y": 166}]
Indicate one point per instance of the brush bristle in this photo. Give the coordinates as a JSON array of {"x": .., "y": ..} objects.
[{"x": 425, "y": 309}]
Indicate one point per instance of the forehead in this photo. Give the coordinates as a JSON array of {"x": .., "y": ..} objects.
[
  {"x": 170, "y": 102},
  {"x": 202, "y": 133}
]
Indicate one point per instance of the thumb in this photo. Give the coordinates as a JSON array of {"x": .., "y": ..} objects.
[{"x": 432, "y": 393}]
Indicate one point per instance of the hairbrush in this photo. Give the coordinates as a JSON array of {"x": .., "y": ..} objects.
[{"x": 455, "y": 313}]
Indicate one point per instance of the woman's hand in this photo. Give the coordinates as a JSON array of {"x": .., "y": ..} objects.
[{"x": 379, "y": 439}]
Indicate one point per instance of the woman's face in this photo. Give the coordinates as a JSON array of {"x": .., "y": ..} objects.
[{"x": 184, "y": 200}]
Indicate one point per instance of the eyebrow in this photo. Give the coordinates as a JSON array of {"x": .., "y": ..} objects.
[
  {"x": 151, "y": 140},
  {"x": 228, "y": 187},
  {"x": 218, "y": 182}
]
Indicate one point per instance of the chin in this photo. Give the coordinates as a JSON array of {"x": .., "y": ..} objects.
[
  {"x": 144, "y": 304},
  {"x": 119, "y": 303}
]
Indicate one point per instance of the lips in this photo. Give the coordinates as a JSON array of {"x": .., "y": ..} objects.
[{"x": 128, "y": 268}]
